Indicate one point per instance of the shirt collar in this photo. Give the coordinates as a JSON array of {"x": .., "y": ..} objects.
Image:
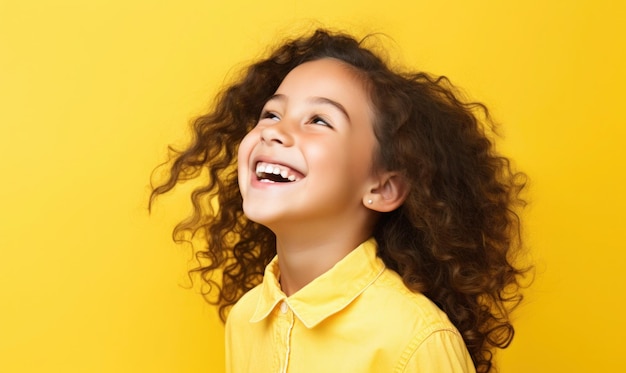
[{"x": 326, "y": 295}]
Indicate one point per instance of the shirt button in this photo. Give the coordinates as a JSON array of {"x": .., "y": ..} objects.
[{"x": 283, "y": 307}]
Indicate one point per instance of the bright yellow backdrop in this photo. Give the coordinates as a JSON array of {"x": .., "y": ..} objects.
[{"x": 92, "y": 91}]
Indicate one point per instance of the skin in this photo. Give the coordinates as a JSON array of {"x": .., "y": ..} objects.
[{"x": 318, "y": 130}]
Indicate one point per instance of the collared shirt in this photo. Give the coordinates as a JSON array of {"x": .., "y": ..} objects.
[{"x": 356, "y": 317}]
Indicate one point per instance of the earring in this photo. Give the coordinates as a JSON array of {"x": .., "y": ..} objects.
[{"x": 369, "y": 201}]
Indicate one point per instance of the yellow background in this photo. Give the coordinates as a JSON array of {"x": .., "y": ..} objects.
[{"x": 91, "y": 92}]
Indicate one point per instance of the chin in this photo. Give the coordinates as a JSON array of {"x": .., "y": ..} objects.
[{"x": 259, "y": 215}]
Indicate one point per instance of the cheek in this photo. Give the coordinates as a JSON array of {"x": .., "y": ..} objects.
[
  {"x": 361, "y": 158},
  {"x": 245, "y": 148},
  {"x": 326, "y": 156},
  {"x": 243, "y": 157}
]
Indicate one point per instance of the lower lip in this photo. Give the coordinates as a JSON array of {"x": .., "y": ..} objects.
[{"x": 266, "y": 184}]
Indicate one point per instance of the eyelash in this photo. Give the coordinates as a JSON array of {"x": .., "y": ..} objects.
[
  {"x": 324, "y": 122},
  {"x": 316, "y": 119},
  {"x": 269, "y": 115}
]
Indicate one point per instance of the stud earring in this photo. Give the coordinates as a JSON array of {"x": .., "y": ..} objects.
[{"x": 369, "y": 201}]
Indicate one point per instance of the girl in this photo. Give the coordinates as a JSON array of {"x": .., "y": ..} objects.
[{"x": 359, "y": 218}]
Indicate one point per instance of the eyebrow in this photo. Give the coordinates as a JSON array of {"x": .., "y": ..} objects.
[{"x": 316, "y": 100}]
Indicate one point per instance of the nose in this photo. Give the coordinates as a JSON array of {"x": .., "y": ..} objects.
[{"x": 277, "y": 133}]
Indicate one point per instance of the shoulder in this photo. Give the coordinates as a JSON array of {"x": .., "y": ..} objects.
[
  {"x": 243, "y": 310},
  {"x": 442, "y": 351},
  {"x": 413, "y": 308},
  {"x": 433, "y": 343}
]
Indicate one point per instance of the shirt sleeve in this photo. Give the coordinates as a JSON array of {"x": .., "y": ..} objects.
[{"x": 441, "y": 352}]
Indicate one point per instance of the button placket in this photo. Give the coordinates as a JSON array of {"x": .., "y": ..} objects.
[{"x": 284, "y": 326}]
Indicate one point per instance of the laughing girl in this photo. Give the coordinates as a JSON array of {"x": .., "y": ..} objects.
[{"x": 353, "y": 218}]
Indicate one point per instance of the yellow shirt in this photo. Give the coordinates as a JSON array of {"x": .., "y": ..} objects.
[{"x": 357, "y": 317}]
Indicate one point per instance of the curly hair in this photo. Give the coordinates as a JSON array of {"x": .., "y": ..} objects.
[{"x": 456, "y": 236}]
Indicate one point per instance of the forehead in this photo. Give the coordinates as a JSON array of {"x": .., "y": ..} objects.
[{"x": 328, "y": 78}]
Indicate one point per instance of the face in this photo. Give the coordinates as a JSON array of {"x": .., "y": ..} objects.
[{"x": 309, "y": 160}]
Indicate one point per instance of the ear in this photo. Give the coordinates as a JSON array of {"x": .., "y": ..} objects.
[{"x": 388, "y": 193}]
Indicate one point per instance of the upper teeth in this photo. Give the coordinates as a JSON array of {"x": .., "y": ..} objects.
[{"x": 267, "y": 168}]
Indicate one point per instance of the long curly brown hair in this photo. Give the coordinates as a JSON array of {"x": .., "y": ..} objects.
[{"x": 455, "y": 238}]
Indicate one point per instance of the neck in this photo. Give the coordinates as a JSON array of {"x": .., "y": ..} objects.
[
  {"x": 308, "y": 247},
  {"x": 303, "y": 259}
]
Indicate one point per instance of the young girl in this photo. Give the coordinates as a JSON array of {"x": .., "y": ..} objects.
[{"x": 359, "y": 218}]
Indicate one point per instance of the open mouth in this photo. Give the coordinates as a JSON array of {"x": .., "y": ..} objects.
[{"x": 275, "y": 173}]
